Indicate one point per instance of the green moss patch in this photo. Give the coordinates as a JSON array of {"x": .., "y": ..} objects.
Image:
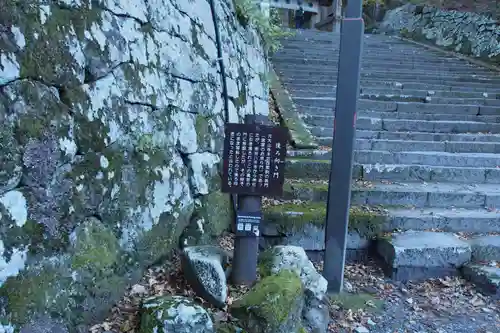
[
  {"x": 313, "y": 191},
  {"x": 214, "y": 211},
  {"x": 271, "y": 303},
  {"x": 95, "y": 248},
  {"x": 292, "y": 216},
  {"x": 357, "y": 302},
  {"x": 300, "y": 136},
  {"x": 228, "y": 328}
]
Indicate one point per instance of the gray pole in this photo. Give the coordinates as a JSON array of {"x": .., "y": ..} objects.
[{"x": 339, "y": 187}]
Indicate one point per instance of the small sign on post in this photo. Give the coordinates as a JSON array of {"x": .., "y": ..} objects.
[
  {"x": 254, "y": 157},
  {"x": 253, "y": 166}
]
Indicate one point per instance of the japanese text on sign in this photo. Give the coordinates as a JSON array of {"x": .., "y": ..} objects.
[{"x": 254, "y": 157}]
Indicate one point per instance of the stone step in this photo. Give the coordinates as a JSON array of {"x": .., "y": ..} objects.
[
  {"x": 437, "y": 146},
  {"x": 390, "y": 88},
  {"x": 413, "y": 60},
  {"x": 424, "y": 93},
  {"x": 424, "y": 96},
  {"x": 373, "y": 97},
  {"x": 387, "y": 219},
  {"x": 320, "y": 46},
  {"x": 423, "y": 194},
  {"x": 301, "y": 63},
  {"x": 320, "y": 170},
  {"x": 410, "y": 125},
  {"x": 331, "y": 52},
  {"x": 485, "y": 248},
  {"x": 416, "y": 255},
  {"x": 288, "y": 219},
  {"x": 446, "y": 146},
  {"x": 321, "y": 116},
  {"x": 415, "y": 194},
  {"x": 303, "y": 225},
  {"x": 484, "y": 276},
  {"x": 363, "y": 104},
  {"x": 428, "y": 158},
  {"x": 313, "y": 65},
  {"x": 436, "y": 158},
  {"x": 406, "y": 80},
  {"x": 404, "y": 83},
  {"x": 444, "y": 219},
  {"x": 413, "y": 89},
  {"x": 312, "y": 35},
  {"x": 416, "y": 136},
  {"x": 409, "y": 107},
  {"x": 320, "y": 77},
  {"x": 375, "y": 49},
  {"x": 402, "y": 98}
]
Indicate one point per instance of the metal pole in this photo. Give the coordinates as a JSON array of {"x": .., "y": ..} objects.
[
  {"x": 339, "y": 187},
  {"x": 244, "y": 270}
]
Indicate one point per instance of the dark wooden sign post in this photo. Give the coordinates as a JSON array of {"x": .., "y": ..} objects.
[{"x": 253, "y": 166}]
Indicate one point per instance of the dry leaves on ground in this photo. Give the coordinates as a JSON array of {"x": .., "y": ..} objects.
[
  {"x": 445, "y": 297},
  {"x": 372, "y": 290},
  {"x": 166, "y": 279}
]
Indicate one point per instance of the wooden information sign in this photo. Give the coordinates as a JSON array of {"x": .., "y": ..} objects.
[{"x": 254, "y": 159}]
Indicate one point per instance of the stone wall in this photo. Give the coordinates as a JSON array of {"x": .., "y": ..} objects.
[
  {"x": 111, "y": 128},
  {"x": 469, "y": 33}
]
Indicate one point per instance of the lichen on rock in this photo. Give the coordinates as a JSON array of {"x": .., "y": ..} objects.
[
  {"x": 163, "y": 314},
  {"x": 205, "y": 269}
]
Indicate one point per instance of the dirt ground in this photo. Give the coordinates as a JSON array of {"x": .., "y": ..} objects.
[{"x": 370, "y": 303}]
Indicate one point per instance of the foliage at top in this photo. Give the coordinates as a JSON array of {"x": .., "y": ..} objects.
[{"x": 249, "y": 13}]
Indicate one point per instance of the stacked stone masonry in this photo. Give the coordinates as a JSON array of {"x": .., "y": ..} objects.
[
  {"x": 111, "y": 129},
  {"x": 425, "y": 193},
  {"x": 472, "y": 34}
]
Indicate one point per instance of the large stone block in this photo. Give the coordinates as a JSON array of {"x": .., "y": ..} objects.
[{"x": 424, "y": 249}]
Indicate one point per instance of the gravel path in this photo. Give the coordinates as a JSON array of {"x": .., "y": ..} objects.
[{"x": 450, "y": 305}]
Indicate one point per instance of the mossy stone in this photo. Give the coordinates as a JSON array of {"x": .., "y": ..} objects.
[
  {"x": 291, "y": 217},
  {"x": 300, "y": 136},
  {"x": 228, "y": 328},
  {"x": 273, "y": 305},
  {"x": 95, "y": 248},
  {"x": 26, "y": 294}
]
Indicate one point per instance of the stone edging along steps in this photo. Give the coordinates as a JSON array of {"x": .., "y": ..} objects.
[{"x": 426, "y": 190}]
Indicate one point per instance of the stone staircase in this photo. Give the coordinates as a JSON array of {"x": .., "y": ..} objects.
[{"x": 426, "y": 183}]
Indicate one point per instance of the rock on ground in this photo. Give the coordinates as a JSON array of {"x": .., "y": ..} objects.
[
  {"x": 315, "y": 315},
  {"x": 165, "y": 314},
  {"x": 203, "y": 268},
  {"x": 273, "y": 305},
  {"x": 294, "y": 258}
]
